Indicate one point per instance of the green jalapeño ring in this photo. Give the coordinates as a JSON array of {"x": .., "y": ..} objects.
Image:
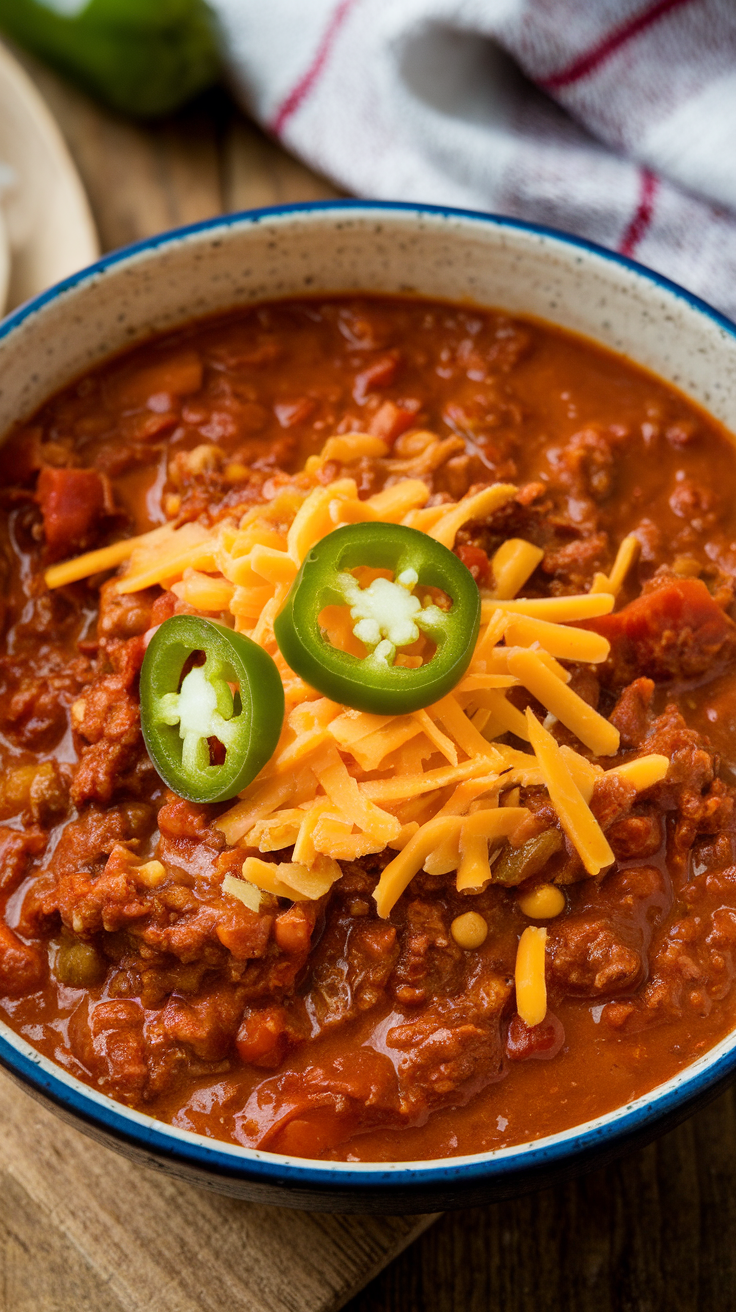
[
  {"x": 235, "y": 698},
  {"x": 388, "y": 616}
]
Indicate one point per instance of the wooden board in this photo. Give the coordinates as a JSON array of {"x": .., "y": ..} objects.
[
  {"x": 141, "y": 179},
  {"x": 83, "y": 1228}
]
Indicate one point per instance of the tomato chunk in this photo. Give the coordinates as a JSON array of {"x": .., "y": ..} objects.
[
  {"x": 534, "y": 1042},
  {"x": 674, "y": 631},
  {"x": 22, "y": 967},
  {"x": 72, "y": 502},
  {"x": 475, "y": 559}
]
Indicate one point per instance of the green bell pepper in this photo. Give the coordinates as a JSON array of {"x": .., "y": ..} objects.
[
  {"x": 388, "y": 616},
  {"x": 144, "y": 57},
  {"x": 181, "y": 718}
]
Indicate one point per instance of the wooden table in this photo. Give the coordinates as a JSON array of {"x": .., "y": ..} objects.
[{"x": 654, "y": 1233}]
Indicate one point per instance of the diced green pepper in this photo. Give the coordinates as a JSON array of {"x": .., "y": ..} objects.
[{"x": 144, "y": 57}]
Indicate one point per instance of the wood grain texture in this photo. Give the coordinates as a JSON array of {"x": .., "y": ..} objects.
[
  {"x": 82, "y": 1227},
  {"x": 141, "y": 179}
]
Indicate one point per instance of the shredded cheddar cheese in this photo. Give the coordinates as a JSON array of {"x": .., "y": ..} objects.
[
  {"x": 95, "y": 562},
  {"x": 625, "y": 558},
  {"x": 345, "y": 448},
  {"x": 558, "y": 640},
  {"x": 512, "y": 565},
  {"x": 476, "y": 832},
  {"x": 585, "y": 773},
  {"x": 477, "y": 506},
  {"x": 440, "y": 788},
  {"x": 166, "y": 558},
  {"x": 644, "y": 772},
  {"x": 591, "y": 728},
  {"x": 399, "y": 872},
  {"x": 246, "y": 893},
  {"x": 586, "y": 606},
  {"x": 291, "y": 879},
  {"x": 575, "y": 815},
  {"x": 531, "y": 985}
]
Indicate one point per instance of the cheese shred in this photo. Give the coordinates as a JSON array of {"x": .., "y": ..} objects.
[
  {"x": 531, "y": 985},
  {"x": 575, "y": 815}
]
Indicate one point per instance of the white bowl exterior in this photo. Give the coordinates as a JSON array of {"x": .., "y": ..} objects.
[{"x": 449, "y": 255}]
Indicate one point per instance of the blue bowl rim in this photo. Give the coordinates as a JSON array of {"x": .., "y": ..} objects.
[{"x": 142, "y": 1132}]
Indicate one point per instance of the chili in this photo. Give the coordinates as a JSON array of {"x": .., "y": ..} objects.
[{"x": 315, "y": 1027}]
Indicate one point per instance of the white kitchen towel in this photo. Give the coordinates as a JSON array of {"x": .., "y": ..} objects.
[{"x": 613, "y": 119}]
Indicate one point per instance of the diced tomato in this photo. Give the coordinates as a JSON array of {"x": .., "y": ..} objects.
[
  {"x": 263, "y": 1037},
  {"x": 16, "y": 849},
  {"x": 72, "y": 501},
  {"x": 379, "y": 374},
  {"x": 673, "y": 631},
  {"x": 534, "y": 1041},
  {"x": 21, "y": 965},
  {"x": 474, "y": 559},
  {"x": 315, "y": 1132},
  {"x": 390, "y": 420}
]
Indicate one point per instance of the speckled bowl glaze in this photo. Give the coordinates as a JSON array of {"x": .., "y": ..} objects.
[{"x": 346, "y": 246}]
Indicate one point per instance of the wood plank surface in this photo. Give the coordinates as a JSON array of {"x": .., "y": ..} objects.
[
  {"x": 141, "y": 179},
  {"x": 82, "y": 1227},
  {"x": 84, "y": 1231}
]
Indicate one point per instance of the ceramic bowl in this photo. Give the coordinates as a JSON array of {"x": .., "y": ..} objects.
[{"x": 346, "y": 246}]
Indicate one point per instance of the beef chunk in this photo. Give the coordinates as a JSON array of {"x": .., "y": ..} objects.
[
  {"x": 632, "y": 714},
  {"x": 588, "y": 958}
]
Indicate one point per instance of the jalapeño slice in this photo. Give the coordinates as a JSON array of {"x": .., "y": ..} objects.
[
  {"x": 388, "y": 615},
  {"x": 235, "y": 699}
]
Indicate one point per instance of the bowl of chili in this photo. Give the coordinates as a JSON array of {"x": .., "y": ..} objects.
[{"x": 571, "y": 446}]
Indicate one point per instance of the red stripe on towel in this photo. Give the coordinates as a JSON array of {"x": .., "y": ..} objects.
[
  {"x": 589, "y": 62},
  {"x": 308, "y": 81},
  {"x": 641, "y": 220}
]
